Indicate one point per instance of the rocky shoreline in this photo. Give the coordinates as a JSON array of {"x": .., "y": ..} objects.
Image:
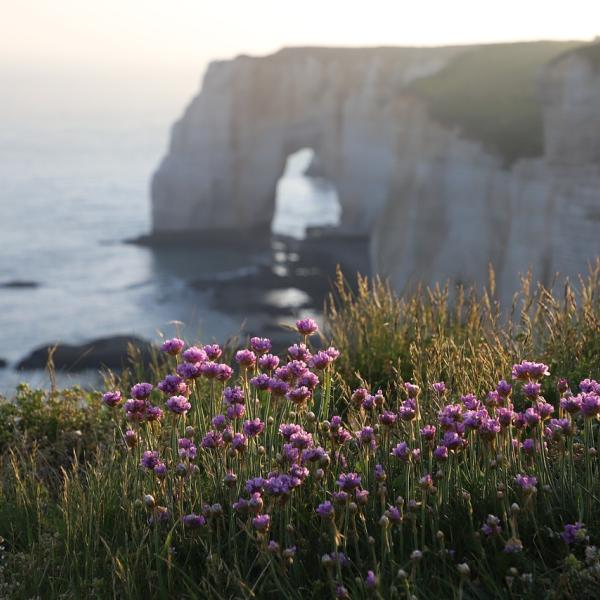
[{"x": 107, "y": 352}]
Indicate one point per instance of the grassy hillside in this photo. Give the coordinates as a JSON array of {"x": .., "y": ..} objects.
[
  {"x": 490, "y": 94},
  {"x": 433, "y": 479}
]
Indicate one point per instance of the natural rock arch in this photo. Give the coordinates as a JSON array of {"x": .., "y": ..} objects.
[{"x": 229, "y": 149}]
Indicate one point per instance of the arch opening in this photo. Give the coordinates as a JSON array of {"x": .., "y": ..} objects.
[{"x": 304, "y": 197}]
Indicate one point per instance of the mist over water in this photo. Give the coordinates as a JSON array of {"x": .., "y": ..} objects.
[{"x": 72, "y": 188}]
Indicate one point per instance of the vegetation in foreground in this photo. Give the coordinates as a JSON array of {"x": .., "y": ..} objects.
[{"x": 424, "y": 457}]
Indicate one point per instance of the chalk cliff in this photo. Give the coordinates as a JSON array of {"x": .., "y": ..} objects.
[{"x": 441, "y": 188}]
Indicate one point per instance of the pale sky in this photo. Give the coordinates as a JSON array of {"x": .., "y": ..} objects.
[
  {"x": 188, "y": 33},
  {"x": 124, "y": 57}
]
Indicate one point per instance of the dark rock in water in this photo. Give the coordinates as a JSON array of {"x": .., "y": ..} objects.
[
  {"x": 19, "y": 283},
  {"x": 3, "y": 363},
  {"x": 110, "y": 352}
]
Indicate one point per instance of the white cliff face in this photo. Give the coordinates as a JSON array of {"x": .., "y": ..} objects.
[
  {"x": 229, "y": 149},
  {"x": 456, "y": 210},
  {"x": 435, "y": 205}
]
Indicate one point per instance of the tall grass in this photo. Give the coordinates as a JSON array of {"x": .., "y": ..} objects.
[
  {"x": 462, "y": 335},
  {"x": 450, "y": 513}
]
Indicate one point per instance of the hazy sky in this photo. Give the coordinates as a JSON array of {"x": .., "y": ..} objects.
[
  {"x": 123, "y": 57},
  {"x": 182, "y": 33}
]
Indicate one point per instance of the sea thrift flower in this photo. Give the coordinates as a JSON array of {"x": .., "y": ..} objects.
[
  {"x": 366, "y": 437},
  {"x": 268, "y": 362},
  {"x": 307, "y": 326},
  {"x": 261, "y": 523},
  {"x": 348, "y": 481},
  {"x": 588, "y": 386},
  {"x": 141, "y": 391},
  {"x": 571, "y": 404},
  {"x": 590, "y": 404},
  {"x": 529, "y": 370},
  {"x": 532, "y": 417},
  {"x": 186, "y": 448},
  {"x": 239, "y": 442},
  {"x": 135, "y": 410},
  {"x": 296, "y": 369},
  {"x": 235, "y": 411},
  {"x": 153, "y": 413},
  {"x": 387, "y": 418},
  {"x": 333, "y": 353},
  {"x": 428, "y": 432},
  {"x": 178, "y": 405},
  {"x": 195, "y": 355},
  {"x": 213, "y": 351},
  {"x": 299, "y": 395},
  {"x": 160, "y": 470},
  {"x": 412, "y": 390},
  {"x": 505, "y": 416},
  {"x": 401, "y": 451},
  {"x": 452, "y": 440},
  {"x": 173, "y": 346},
  {"x": 393, "y": 514},
  {"x": 513, "y": 546},
  {"x": 278, "y": 388},
  {"x": 449, "y": 415},
  {"x": 131, "y": 438},
  {"x": 149, "y": 459},
  {"x": 193, "y": 521},
  {"x": 573, "y": 533},
  {"x": 325, "y": 510},
  {"x": 111, "y": 398},
  {"x": 254, "y": 427},
  {"x": 219, "y": 422},
  {"x": 299, "y": 352},
  {"x": 260, "y": 345},
  {"x": 491, "y": 526},
  {"x": 426, "y": 482},
  {"x": 224, "y": 372},
  {"x": 561, "y": 427},
  {"x": 358, "y": 396},
  {"x": 489, "y": 428},
  {"x": 470, "y": 402},
  {"x": 370, "y": 580},
  {"x": 233, "y": 395},
  {"x": 439, "y": 387},
  {"x": 172, "y": 385},
  {"x": 545, "y": 410},
  {"x": 261, "y": 382},
  {"x": 379, "y": 473},
  {"x": 562, "y": 385},
  {"x": 532, "y": 390},
  {"x": 408, "y": 410},
  {"x": 212, "y": 440},
  {"x": 289, "y": 429},
  {"x": 441, "y": 453},
  {"x": 301, "y": 439},
  {"x": 369, "y": 402},
  {"x": 527, "y": 483},
  {"x": 309, "y": 380},
  {"x": 190, "y": 370},
  {"x": 504, "y": 388},
  {"x": 320, "y": 361},
  {"x": 529, "y": 446}
]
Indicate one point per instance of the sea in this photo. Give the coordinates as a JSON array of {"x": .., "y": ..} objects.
[{"x": 75, "y": 168}]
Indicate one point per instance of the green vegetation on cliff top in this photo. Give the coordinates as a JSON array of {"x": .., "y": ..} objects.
[{"x": 490, "y": 94}]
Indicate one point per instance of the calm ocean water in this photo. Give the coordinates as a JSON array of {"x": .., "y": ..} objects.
[{"x": 71, "y": 190}]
